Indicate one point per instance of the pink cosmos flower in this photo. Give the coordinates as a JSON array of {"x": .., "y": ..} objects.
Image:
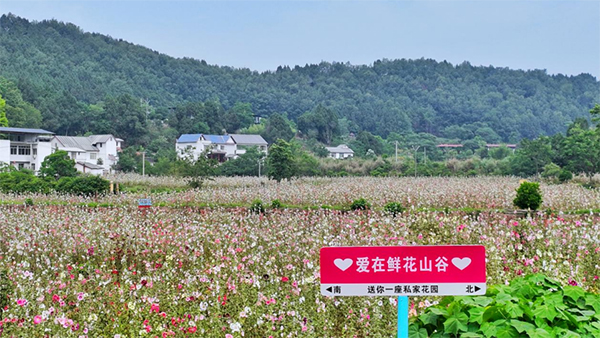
[
  {"x": 228, "y": 336},
  {"x": 22, "y": 302},
  {"x": 37, "y": 319}
]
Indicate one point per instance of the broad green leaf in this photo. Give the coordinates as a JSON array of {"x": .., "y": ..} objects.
[
  {"x": 522, "y": 326},
  {"x": 573, "y": 292},
  {"x": 539, "y": 333},
  {"x": 526, "y": 309},
  {"x": 479, "y": 301},
  {"x": 416, "y": 332},
  {"x": 514, "y": 310},
  {"x": 456, "y": 323},
  {"x": 593, "y": 301},
  {"x": 471, "y": 335},
  {"x": 503, "y": 298},
  {"x": 476, "y": 315},
  {"x": 561, "y": 332},
  {"x": 489, "y": 329},
  {"x": 507, "y": 331},
  {"x": 429, "y": 318},
  {"x": 438, "y": 311},
  {"x": 526, "y": 291},
  {"x": 493, "y": 313},
  {"x": 545, "y": 311}
]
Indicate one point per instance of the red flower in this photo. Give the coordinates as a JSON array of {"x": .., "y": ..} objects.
[
  {"x": 192, "y": 329},
  {"x": 284, "y": 279}
]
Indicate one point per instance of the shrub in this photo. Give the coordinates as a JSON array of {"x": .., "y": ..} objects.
[
  {"x": 360, "y": 204},
  {"x": 531, "y": 306},
  {"x": 276, "y": 204},
  {"x": 528, "y": 196},
  {"x": 28, "y": 202},
  {"x": 394, "y": 208},
  {"x": 83, "y": 185},
  {"x": 565, "y": 175},
  {"x": 257, "y": 207}
]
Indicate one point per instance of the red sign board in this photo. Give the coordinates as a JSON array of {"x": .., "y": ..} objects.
[{"x": 403, "y": 270}]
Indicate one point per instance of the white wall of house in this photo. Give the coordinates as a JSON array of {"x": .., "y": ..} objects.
[
  {"x": 194, "y": 148},
  {"x": 87, "y": 170},
  {"x": 105, "y": 149},
  {"x": 5, "y": 151}
]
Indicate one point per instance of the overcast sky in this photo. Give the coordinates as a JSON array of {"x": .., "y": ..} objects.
[{"x": 559, "y": 36}]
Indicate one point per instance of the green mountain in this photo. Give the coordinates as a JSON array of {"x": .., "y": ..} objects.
[{"x": 57, "y": 64}]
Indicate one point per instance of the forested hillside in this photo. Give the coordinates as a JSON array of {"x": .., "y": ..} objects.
[{"x": 67, "y": 74}]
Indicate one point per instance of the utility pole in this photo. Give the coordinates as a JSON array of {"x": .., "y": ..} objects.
[
  {"x": 259, "y": 160},
  {"x": 143, "y": 163},
  {"x": 415, "y": 149},
  {"x": 396, "y": 151},
  {"x": 425, "y": 155}
]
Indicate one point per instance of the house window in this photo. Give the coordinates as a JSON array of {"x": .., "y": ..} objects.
[
  {"x": 13, "y": 150},
  {"x": 34, "y": 151},
  {"x": 222, "y": 147},
  {"x": 33, "y": 166},
  {"x": 99, "y": 145},
  {"x": 21, "y": 166},
  {"x": 24, "y": 150},
  {"x": 93, "y": 156}
]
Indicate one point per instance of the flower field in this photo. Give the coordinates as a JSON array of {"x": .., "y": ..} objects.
[{"x": 222, "y": 271}]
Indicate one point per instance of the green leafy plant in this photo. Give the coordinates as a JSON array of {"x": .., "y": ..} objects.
[
  {"x": 257, "y": 207},
  {"x": 529, "y": 196},
  {"x": 360, "y": 204},
  {"x": 28, "y": 202},
  {"x": 276, "y": 204},
  {"x": 531, "y": 306},
  {"x": 394, "y": 208},
  {"x": 565, "y": 175}
]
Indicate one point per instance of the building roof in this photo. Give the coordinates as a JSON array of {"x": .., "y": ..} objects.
[
  {"x": 189, "y": 138},
  {"x": 80, "y": 142},
  {"x": 24, "y": 131},
  {"x": 248, "y": 139},
  {"x": 100, "y": 138},
  {"x": 493, "y": 145},
  {"x": 342, "y": 148},
  {"x": 217, "y": 139},
  {"x": 445, "y": 145},
  {"x": 90, "y": 165}
]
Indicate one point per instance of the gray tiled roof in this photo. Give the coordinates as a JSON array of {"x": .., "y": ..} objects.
[
  {"x": 99, "y": 138},
  {"x": 244, "y": 139},
  {"x": 80, "y": 142},
  {"x": 25, "y": 131},
  {"x": 90, "y": 165},
  {"x": 342, "y": 148}
]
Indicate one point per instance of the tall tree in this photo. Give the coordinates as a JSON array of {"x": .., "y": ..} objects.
[
  {"x": 57, "y": 165},
  {"x": 277, "y": 127},
  {"x": 3, "y": 119},
  {"x": 127, "y": 117},
  {"x": 280, "y": 161}
]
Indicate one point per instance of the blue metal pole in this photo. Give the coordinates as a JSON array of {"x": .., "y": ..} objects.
[{"x": 402, "y": 316}]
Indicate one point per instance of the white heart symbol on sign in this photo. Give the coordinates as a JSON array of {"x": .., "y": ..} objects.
[
  {"x": 342, "y": 264},
  {"x": 461, "y": 263}
]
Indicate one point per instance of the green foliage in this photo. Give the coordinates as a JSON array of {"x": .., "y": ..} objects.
[
  {"x": 29, "y": 202},
  {"x": 257, "y": 207},
  {"x": 565, "y": 175},
  {"x": 531, "y": 306},
  {"x": 280, "y": 161},
  {"x": 86, "y": 185},
  {"x": 394, "y": 208},
  {"x": 551, "y": 170},
  {"x": 57, "y": 165},
  {"x": 58, "y": 61},
  {"x": 360, "y": 204},
  {"x": 276, "y": 204},
  {"x": 21, "y": 181},
  {"x": 529, "y": 196},
  {"x": 6, "y": 288},
  {"x": 3, "y": 119},
  {"x": 277, "y": 127},
  {"x": 197, "y": 170},
  {"x": 245, "y": 165}
]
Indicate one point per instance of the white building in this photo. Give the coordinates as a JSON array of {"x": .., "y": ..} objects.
[
  {"x": 339, "y": 152},
  {"x": 221, "y": 147},
  {"x": 90, "y": 153},
  {"x": 24, "y": 148}
]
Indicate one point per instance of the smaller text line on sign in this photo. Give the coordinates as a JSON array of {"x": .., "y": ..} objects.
[{"x": 442, "y": 270}]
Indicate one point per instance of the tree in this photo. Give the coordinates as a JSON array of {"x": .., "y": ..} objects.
[
  {"x": 529, "y": 196},
  {"x": 57, "y": 165},
  {"x": 322, "y": 124},
  {"x": 3, "y": 119},
  {"x": 198, "y": 170},
  {"x": 245, "y": 165},
  {"x": 581, "y": 150},
  {"x": 278, "y": 127},
  {"x": 280, "y": 161}
]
